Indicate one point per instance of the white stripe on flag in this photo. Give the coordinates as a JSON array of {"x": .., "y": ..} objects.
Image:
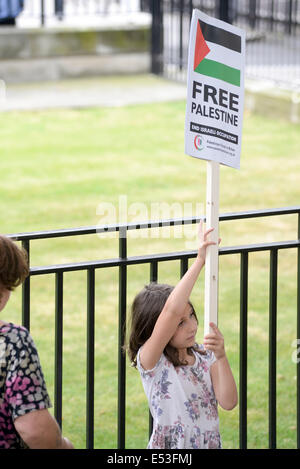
[{"x": 223, "y": 55}]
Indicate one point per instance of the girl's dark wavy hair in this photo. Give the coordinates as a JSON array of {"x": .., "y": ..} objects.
[{"x": 146, "y": 307}]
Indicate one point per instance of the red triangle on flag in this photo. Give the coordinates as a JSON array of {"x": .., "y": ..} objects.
[{"x": 201, "y": 48}]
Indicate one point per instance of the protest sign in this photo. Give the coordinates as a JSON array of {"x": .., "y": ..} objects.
[
  {"x": 215, "y": 90},
  {"x": 213, "y": 126}
]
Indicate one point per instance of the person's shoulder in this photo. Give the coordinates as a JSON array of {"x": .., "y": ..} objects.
[
  {"x": 162, "y": 362},
  {"x": 16, "y": 334}
]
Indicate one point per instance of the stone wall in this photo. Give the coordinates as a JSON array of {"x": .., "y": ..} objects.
[{"x": 52, "y": 54}]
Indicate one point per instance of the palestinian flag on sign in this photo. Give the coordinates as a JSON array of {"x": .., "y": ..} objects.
[{"x": 211, "y": 44}]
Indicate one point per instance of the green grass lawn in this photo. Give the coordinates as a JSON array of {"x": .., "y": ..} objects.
[{"x": 58, "y": 166}]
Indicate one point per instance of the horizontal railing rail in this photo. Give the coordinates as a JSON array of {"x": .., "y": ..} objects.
[
  {"x": 86, "y": 230},
  {"x": 163, "y": 257}
]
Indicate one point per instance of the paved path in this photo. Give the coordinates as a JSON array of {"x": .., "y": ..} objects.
[
  {"x": 134, "y": 89},
  {"x": 89, "y": 92}
]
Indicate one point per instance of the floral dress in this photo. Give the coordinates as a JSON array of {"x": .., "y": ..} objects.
[
  {"x": 22, "y": 384},
  {"x": 182, "y": 403}
]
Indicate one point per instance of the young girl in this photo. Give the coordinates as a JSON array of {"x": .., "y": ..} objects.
[{"x": 183, "y": 381}]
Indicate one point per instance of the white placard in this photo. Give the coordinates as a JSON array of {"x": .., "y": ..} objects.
[{"x": 215, "y": 90}]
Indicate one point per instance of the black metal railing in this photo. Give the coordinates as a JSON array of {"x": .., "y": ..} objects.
[
  {"x": 61, "y": 10},
  {"x": 272, "y": 35},
  {"x": 272, "y": 30},
  {"x": 122, "y": 262}
]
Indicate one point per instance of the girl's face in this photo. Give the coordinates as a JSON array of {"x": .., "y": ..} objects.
[{"x": 185, "y": 334}]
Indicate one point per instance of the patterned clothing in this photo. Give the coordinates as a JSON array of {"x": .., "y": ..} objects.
[
  {"x": 22, "y": 384},
  {"x": 182, "y": 403}
]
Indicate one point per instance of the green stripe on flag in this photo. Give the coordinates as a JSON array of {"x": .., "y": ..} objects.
[{"x": 223, "y": 72}]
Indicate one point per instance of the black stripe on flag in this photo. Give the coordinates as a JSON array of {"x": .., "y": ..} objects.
[{"x": 221, "y": 36}]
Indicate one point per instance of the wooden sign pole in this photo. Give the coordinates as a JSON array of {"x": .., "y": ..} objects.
[{"x": 212, "y": 257}]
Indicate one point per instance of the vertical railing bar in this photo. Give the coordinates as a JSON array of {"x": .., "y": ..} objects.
[
  {"x": 298, "y": 337},
  {"x": 272, "y": 347},
  {"x": 42, "y": 12},
  {"x": 58, "y": 347},
  {"x": 289, "y": 16},
  {"x": 90, "y": 380},
  {"x": 121, "y": 339},
  {"x": 26, "y": 290},
  {"x": 171, "y": 49},
  {"x": 243, "y": 350},
  {"x": 153, "y": 278},
  {"x": 157, "y": 37},
  {"x": 272, "y": 16},
  {"x": 181, "y": 9},
  {"x": 153, "y": 271},
  {"x": 184, "y": 263},
  {"x": 191, "y": 9}
]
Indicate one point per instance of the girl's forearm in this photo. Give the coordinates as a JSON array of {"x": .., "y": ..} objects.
[
  {"x": 179, "y": 297},
  {"x": 224, "y": 384}
]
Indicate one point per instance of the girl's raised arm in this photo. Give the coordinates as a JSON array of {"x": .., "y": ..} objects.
[{"x": 175, "y": 305}]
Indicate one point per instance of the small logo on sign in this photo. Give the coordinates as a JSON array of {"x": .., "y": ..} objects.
[{"x": 199, "y": 142}]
